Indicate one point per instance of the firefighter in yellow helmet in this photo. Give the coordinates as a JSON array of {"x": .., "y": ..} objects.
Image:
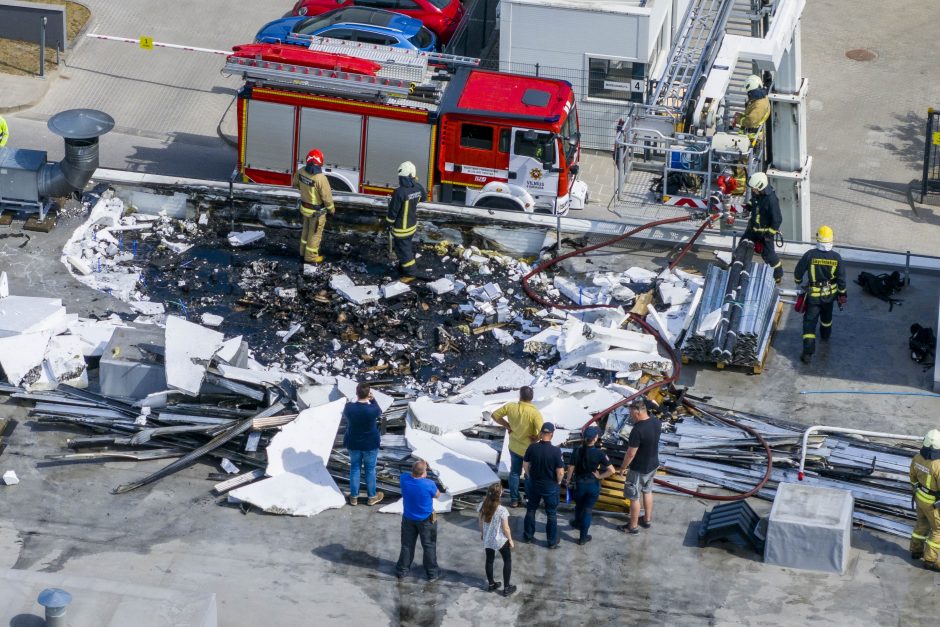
[
  {"x": 402, "y": 217},
  {"x": 316, "y": 200},
  {"x": 925, "y": 481},
  {"x": 4, "y": 132},
  {"x": 825, "y": 272}
]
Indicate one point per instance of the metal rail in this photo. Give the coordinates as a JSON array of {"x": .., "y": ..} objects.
[{"x": 874, "y": 434}]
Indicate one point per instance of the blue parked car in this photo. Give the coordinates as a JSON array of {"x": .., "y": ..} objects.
[{"x": 366, "y": 25}]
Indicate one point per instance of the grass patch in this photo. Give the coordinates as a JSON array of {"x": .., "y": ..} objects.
[{"x": 22, "y": 58}]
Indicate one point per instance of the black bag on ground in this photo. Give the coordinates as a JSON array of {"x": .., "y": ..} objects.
[
  {"x": 882, "y": 286},
  {"x": 923, "y": 344},
  {"x": 675, "y": 183}
]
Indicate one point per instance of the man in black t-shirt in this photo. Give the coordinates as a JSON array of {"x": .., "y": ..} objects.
[
  {"x": 589, "y": 466},
  {"x": 544, "y": 469},
  {"x": 642, "y": 459}
]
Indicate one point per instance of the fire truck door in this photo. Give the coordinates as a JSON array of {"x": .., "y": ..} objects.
[{"x": 532, "y": 158}]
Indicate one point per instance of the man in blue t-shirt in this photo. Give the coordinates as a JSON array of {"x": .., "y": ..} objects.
[
  {"x": 544, "y": 467},
  {"x": 362, "y": 441},
  {"x": 418, "y": 520}
]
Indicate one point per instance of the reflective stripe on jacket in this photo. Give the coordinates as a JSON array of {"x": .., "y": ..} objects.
[
  {"x": 402, "y": 216},
  {"x": 315, "y": 192},
  {"x": 826, "y": 273},
  {"x": 925, "y": 479},
  {"x": 766, "y": 217}
]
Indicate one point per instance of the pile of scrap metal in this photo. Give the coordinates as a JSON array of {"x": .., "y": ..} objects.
[{"x": 707, "y": 453}]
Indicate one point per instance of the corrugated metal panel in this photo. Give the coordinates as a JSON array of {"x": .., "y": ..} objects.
[
  {"x": 389, "y": 143},
  {"x": 269, "y": 140},
  {"x": 338, "y": 135}
]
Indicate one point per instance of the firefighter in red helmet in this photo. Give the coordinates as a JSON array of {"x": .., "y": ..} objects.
[{"x": 316, "y": 200}]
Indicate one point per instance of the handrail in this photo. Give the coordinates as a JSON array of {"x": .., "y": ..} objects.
[{"x": 819, "y": 428}]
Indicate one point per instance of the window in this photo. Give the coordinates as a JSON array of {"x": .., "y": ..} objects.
[
  {"x": 441, "y": 4},
  {"x": 504, "y": 137},
  {"x": 539, "y": 146},
  {"x": 339, "y": 33},
  {"x": 406, "y": 5},
  {"x": 476, "y": 136},
  {"x": 377, "y": 4},
  {"x": 422, "y": 39},
  {"x": 375, "y": 38},
  {"x": 613, "y": 79}
]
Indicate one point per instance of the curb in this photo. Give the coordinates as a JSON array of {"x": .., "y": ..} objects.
[{"x": 49, "y": 78}]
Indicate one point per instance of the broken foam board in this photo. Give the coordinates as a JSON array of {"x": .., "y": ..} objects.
[
  {"x": 28, "y": 314},
  {"x": 299, "y": 483},
  {"x": 347, "y": 387},
  {"x": 458, "y": 473},
  {"x": 507, "y": 375},
  {"x": 395, "y": 288},
  {"x": 442, "y": 505},
  {"x": 189, "y": 348},
  {"x": 237, "y": 239},
  {"x": 21, "y": 355},
  {"x": 441, "y": 418},
  {"x": 624, "y": 361}
]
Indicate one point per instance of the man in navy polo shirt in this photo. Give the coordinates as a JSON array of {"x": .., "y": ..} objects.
[
  {"x": 544, "y": 468},
  {"x": 418, "y": 520},
  {"x": 362, "y": 440}
]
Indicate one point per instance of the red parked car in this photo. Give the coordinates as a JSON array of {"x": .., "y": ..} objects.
[{"x": 440, "y": 16}]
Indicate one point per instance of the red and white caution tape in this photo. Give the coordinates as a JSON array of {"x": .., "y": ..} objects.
[{"x": 146, "y": 43}]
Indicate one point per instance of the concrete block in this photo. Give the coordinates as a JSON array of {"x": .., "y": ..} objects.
[
  {"x": 189, "y": 348},
  {"x": 127, "y": 371},
  {"x": 395, "y": 288},
  {"x": 810, "y": 528}
]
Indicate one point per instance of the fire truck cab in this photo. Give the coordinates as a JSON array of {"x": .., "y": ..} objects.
[{"x": 484, "y": 139}]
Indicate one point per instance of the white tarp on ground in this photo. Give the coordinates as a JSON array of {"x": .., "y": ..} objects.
[
  {"x": 299, "y": 483},
  {"x": 189, "y": 348},
  {"x": 458, "y": 473}
]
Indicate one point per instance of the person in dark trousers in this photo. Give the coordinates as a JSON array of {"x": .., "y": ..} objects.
[
  {"x": 544, "y": 468},
  {"x": 826, "y": 273},
  {"x": 765, "y": 221},
  {"x": 418, "y": 521},
  {"x": 589, "y": 466},
  {"x": 642, "y": 459},
  {"x": 496, "y": 536},
  {"x": 362, "y": 441},
  {"x": 402, "y": 217},
  {"x": 523, "y": 421}
]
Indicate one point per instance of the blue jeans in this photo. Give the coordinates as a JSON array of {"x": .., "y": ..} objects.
[
  {"x": 549, "y": 495},
  {"x": 586, "y": 496},
  {"x": 515, "y": 471},
  {"x": 367, "y": 459}
]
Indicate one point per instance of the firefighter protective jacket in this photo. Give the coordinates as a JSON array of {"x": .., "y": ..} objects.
[
  {"x": 765, "y": 213},
  {"x": 925, "y": 477},
  {"x": 756, "y": 111},
  {"x": 402, "y": 217},
  {"x": 826, "y": 273},
  {"x": 315, "y": 192}
]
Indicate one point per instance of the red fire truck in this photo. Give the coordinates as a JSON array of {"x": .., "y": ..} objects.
[{"x": 484, "y": 139}]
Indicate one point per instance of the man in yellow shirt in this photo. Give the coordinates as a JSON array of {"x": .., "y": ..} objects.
[{"x": 523, "y": 420}]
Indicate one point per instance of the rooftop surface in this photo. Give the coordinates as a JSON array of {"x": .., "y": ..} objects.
[{"x": 62, "y": 519}]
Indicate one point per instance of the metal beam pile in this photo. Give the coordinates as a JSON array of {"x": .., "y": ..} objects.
[
  {"x": 746, "y": 297},
  {"x": 719, "y": 456}
]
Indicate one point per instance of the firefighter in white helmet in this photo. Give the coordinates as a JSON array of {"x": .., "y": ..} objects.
[
  {"x": 925, "y": 482},
  {"x": 316, "y": 200},
  {"x": 757, "y": 108},
  {"x": 402, "y": 217},
  {"x": 764, "y": 223},
  {"x": 826, "y": 286}
]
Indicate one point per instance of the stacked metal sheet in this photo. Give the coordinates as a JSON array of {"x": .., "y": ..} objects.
[
  {"x": 742, "y": 332},
  {"x": 720, "y": 456}
]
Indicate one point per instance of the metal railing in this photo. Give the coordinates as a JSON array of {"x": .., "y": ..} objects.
[{"x": 930, "y": 182}]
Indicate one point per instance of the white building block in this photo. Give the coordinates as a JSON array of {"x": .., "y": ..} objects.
[{"x": 189, "y": 348}]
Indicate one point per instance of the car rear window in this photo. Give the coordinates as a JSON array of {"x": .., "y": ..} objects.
[
  {"x": 441, "y": 4},
  {"x": 423, "y": 39}
]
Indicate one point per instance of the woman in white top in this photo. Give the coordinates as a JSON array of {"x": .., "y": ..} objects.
[{"x": 494, "y": 531}]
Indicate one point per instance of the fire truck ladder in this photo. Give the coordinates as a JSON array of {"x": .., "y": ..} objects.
[
  {"x": 396, "y": 62},
  {"x": 305, "y": 78}
]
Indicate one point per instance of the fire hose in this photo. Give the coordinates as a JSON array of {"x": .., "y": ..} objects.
[{"x": 670, "y": 350}]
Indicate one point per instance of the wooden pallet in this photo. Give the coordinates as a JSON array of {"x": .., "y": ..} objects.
[{"x": 757, "y": 368}]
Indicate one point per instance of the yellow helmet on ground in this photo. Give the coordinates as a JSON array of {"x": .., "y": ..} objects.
[
  {"x": 753, "y": 82},
  {"x": 824, "y": 235},
  {"x": 932, "y": 439},
  {"x": 758, "y": 181}
]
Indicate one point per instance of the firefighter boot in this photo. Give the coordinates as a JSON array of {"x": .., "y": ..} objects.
[
  {"x": 778, "y": 272},
  {"x": 934, "y": 566},
  {"x": 809, "y": 347}
]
